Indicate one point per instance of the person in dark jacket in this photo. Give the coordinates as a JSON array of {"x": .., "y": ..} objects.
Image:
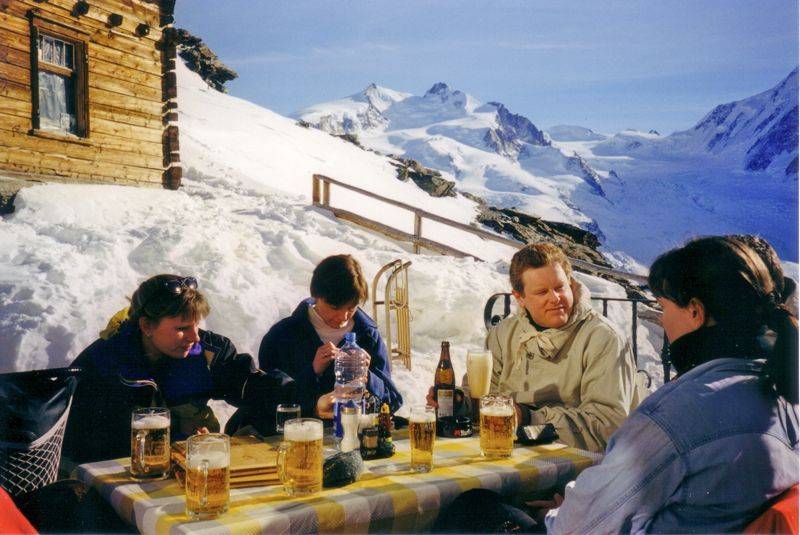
[
  {"x": 305, "y": 344},
  {"x": 160, "y": 357}
]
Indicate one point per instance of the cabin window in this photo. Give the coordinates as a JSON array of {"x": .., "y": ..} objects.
[{"x": 60, "y": 97}]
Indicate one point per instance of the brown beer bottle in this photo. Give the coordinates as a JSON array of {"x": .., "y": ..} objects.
[{"x": 444, "y": 383}]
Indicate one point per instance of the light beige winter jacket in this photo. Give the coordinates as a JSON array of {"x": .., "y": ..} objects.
[{"x": 580, "y": 378}]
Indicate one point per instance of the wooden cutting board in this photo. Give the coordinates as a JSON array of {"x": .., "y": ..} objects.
[{"x": 249, "y": 456}]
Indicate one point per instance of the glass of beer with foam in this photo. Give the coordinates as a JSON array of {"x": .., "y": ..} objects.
[
  {"x": 421, "y": 434},
  {"x": 150, "y": 453},
  {"x": 208, "y": 472},
  {"x": 498, "y": 426},
  {"x": 300, "y": 456}
]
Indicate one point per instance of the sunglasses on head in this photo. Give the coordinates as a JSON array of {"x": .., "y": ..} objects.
[
  {"x": 173, "y": 287},
  {"x": 176, "y": 286}
]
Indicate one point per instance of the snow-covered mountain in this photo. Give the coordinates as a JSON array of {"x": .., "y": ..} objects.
[
  {"x": 735, "y": 171},
  {"x": 489, "y": 150},
  {"x": 568, "y": 132},
  {"x": 758, "y": 133}
]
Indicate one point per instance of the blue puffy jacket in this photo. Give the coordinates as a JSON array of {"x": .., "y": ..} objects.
[{"x": 290, "y": 346}]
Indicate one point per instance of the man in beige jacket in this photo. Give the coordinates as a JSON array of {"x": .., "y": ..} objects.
[{"x": 561, "y": 361}]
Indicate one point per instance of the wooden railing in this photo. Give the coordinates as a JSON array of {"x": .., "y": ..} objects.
[{"x": 321, "y": 196}]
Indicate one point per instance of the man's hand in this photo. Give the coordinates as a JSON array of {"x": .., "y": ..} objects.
[
  {"x": 323, "y": 358},
  {"x": 430, "y": 399},
  {"x": 324, "y": 408},
  {"x": 539, "y": 508}
]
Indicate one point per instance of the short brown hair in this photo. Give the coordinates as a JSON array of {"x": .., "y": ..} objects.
[
  {"x": 339, "y": 281},
  {"x": 153, "y": 301},
  {"x": 536, "y": 255}
]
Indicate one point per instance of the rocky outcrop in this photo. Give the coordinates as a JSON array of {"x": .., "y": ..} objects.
[
  {"x": 429, "y": 180},
  {"x": 200, "y": 59},
  {"x": 576, "y": 242},
  {"x": 578, "y": 165}
]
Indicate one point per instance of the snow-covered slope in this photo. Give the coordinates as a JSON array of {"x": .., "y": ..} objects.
[
  {"x": 567, "y": 132},
  {"x": 243, "y": 225},
  {"x": 490, "y": 151}
]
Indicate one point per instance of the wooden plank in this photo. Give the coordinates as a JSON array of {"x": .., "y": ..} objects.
[
  {"x": 134, "y": 133},
  {"x": 121, "y": 87},
  {"x": 14, "y": 56},
  {"x": 15, "y": 74},
  {"x": 144, "y": 148},
  {"x": 124, "y": 102},
  {"x": 48, "y": 174},
  {"x": 114, "y": 69},
  {"x": 17, "y": 108},
  {"x": 38, "y": 162},
  {"x": 90, "y": 152},
  {"x": 112, "y": 113}
]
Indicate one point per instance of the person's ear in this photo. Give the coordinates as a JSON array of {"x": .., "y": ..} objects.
[
  {"x": 519, "y": 297},
  {"x": 697, "y": 312},
  {"x": 146, "y": 327}
]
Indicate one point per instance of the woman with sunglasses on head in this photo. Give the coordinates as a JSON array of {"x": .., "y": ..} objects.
[
  {"x": 707, "y": 451},
  {"x": 160, "y": 356}
]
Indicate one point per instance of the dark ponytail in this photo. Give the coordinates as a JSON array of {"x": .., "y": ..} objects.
[{"x": 782, "y": 364}]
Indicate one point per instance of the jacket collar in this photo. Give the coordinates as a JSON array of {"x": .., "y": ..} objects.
[{"x": 713, "y": 342}]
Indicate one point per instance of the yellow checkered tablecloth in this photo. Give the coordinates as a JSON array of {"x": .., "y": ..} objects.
[{"x": 387, "y": 498}]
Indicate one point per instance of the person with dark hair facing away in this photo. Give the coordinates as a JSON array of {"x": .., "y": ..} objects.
[
  {"x": 304, "y": 345},
  {"x": 708, "y": 450},
  {"x": 158, "y": 356}
]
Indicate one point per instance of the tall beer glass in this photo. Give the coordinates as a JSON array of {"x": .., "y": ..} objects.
[
  {"x": 479, "y": 377},
  {"x": 300, "y": 456},
  {"x": 498, "y": 426},
  {"x": 208, "y": 462},
  {"x": 421, "y": 432},
  {"x": 150, "y": 455}
]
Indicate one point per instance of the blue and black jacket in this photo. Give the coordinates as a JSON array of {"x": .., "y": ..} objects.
[
  {"x": 290, "y": 346},
  {"x": 99, "y": 423}
]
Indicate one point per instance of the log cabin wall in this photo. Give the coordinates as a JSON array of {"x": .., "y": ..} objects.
[{"x": 112, "y": 64}]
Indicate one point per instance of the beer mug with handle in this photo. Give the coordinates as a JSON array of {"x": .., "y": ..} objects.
[
  {"x": 498, "y": 426},
  {"x": 208, "y": 461},
  {"x": 300, "y": 456},
  {"x": 421, "y": 434},
  {"x": 150, "y": 445}
]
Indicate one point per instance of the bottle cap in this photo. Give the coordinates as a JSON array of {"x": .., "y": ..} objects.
[{"x": 350, "y": 337}]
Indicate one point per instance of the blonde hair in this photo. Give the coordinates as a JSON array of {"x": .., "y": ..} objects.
[{"x": 536, "y": 255}]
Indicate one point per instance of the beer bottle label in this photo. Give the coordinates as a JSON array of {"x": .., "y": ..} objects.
[{"x": 444, "y": 398}]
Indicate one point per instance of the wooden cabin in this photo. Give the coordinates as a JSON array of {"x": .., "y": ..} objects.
[{"x": 88, "y": 92}]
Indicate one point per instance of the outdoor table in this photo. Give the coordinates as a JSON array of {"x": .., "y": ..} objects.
[{"x": 389, "y": 497}]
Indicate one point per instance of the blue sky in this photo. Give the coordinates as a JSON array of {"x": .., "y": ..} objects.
[{"x": 607, "y": 65}]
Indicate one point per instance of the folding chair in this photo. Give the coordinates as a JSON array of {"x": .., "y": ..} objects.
[{"x": 34, "y": 407}]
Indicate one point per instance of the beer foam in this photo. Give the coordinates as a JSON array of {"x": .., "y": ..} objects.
[
  {"x": 497, "y": 411},
  {"x": 153, "y": 421},
  {"x": 216, "y": 459},
  {"x": 422, "y": 417},
  {"x": 302, "y": 431}
]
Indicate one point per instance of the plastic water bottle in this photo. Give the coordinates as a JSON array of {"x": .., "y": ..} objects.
[{"x": 350, "y": 369}]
